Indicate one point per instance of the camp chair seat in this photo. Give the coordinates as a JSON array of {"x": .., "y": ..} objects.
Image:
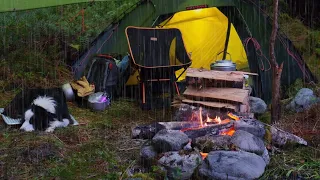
[{"x": 158, "y": 53}]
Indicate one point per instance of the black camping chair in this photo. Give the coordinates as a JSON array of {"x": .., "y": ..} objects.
[{"x": 157, "y": 53}]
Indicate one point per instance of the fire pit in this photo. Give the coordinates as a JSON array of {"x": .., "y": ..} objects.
[{"x": 208, "y": 144}]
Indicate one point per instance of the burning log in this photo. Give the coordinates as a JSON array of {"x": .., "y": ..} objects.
[{"x": 211, "y": 129}]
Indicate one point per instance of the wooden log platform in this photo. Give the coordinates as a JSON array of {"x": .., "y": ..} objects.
[
  {"x": 217, "y": 75},
  {"x": 213, "y": 104},
  {"x": 229, "y": 94}
]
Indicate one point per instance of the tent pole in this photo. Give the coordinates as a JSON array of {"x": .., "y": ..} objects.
[{"x": 227, "y": 39}]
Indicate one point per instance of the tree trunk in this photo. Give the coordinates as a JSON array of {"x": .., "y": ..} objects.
[
  {"x": 276, "y": 85},
  {"x": 276, "y": 70}
]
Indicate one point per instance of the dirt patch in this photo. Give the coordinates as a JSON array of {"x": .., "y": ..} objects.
[
  {"x": 40, "y": 153},
  {"x": 305, "y": 124}
]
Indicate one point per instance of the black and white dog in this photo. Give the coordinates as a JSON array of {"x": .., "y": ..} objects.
[{"x": 41, "y": 109}]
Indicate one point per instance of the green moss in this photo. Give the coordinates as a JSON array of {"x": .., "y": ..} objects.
[
  {"x": 294, "y": 88},
  {"x": 142, "y": 176},
  {"x": 265, "y": 117},
  {"x": 268, "y": 135}
]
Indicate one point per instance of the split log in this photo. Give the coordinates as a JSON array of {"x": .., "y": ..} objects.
[
  {"x": 202, "y": 83},
  {"x": 232, "y": 107},
  {"x": 186, "y": 112},
  {"x": 228, "y": 94},
  {"x": 148, "y": 131},
  {"x": 217, "y": 75},
  {"x": 280, "y": 137}
]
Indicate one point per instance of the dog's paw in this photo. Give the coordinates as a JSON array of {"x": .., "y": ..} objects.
[
  {"x": 27, "y": 127},
  {"x": 49, "y": 130}
]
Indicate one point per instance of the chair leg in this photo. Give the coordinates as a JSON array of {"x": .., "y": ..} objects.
[
  {"x": 177, "y": 89},
  {"x": 143, "y": 93}
]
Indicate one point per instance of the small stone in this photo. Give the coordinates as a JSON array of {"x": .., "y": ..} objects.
[
  {"x": 266, "y": 156},
  {"x": 180, "y": 166},
  {"x": 252, "y": 126},
  {"x": 248, "y": 142},
  {"x": 169, "y": 140},
  {"x": 257, "y": 105},
  {"x": 187, "y": 147},
  {"x": 232, "y": 165}
]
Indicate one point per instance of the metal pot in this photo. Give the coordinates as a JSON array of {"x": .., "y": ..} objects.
[
  {"x": 98, "y": 101},
  {"x": 223, "y": 65}
]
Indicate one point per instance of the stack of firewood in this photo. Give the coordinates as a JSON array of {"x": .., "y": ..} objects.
[{"x": 217, "y": 89}]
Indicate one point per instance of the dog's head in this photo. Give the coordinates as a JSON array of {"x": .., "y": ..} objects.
[{"x": 39, "y": 115}]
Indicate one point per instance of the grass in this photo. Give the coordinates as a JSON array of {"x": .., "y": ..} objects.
[
  {"x": 291, "y": 163},
  {"x": 99, "y": 148}
]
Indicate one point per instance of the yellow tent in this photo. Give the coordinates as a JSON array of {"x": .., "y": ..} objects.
[{"x": 204, "y": 33}]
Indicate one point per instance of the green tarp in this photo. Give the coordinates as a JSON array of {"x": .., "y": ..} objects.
[
  {"x": 249, "y": 21},
  {"x": 18, "y": 5}
]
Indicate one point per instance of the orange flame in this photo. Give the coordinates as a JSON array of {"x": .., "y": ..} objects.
[
  {"x": 200, "y": 116},
  {"x": 229, "y": 132},
  {"x": 203, "y": 155},
  {"x": 233, "y": 116},
  {"x": 217, "y": 119}
]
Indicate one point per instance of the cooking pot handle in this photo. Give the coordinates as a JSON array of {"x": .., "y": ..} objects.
[{"x": 222, "y": 52}]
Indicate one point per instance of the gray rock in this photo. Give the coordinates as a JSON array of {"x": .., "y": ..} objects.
[
  {"x": 212, "y": 142},
  {"x": 257, "y": 105},
  {"x": 148, "y": 153},
  {"x": 266, "y": 156},
  {"x": 303, "y": 100},
  {"x": 180, "y": 166},
  {"x": 169, "y": 140},
  {"x": 248, "y": 142},
  {"x": 232, "y": 165},
  {"x": 252, "y": 126},
  {"x": 187, "y": 147}
]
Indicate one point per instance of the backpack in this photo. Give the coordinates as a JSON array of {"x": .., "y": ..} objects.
[{"x": 104, "y": 74}]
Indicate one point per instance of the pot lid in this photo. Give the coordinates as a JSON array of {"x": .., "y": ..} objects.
[{"x": 224, "y": 63}]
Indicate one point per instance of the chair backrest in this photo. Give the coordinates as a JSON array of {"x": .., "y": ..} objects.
[{"x": 157, "y": 47}]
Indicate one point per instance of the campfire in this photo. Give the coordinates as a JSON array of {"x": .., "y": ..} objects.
[
  {"x": 213, "y": 129},
  {"x": 216, "y": 138},
  {"x": 208, "y": 121}
]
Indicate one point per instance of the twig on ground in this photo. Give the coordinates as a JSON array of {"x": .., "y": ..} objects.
[
  {"x": 128, "y": 149},
  {"x": 57, "y": 138},
  {"x": 130, "y": 165},
  {"x": 91, "y": 176},
  {"x": 315, "y": 125}
]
